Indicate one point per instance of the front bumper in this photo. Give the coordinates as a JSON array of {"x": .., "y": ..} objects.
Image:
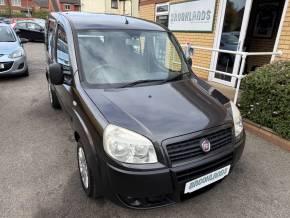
[
  {"x": 142, "y": 189},
  {"x": 13, "y": 66}
]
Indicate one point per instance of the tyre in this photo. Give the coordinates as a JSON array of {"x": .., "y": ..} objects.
[
  {"x": 53, "y": 98},
  {"x": 26, "y": 73},
  {"x": 86, "y": 175}
]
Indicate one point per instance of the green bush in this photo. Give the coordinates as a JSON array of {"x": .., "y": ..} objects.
[
  {"x": 266, "y": 97},
  {"x": 42, "y": 14}
]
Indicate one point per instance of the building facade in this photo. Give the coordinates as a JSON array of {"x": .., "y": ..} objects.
[
  {"x": 64, "y": 5},
  {"x": 40, "y": 5},
  {"x": 15, "y": 6},
  {"x": 127, "y": 7},
  {"x": 234, "y": 25}
]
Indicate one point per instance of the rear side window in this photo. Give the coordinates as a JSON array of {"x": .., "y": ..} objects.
[
  {"x": 21, "y": 25},
  {"x": 62, "y": 54},
  {"x": 33, "y": 26}
]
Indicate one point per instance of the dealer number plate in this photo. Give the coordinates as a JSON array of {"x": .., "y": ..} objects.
[
  {"x": 206, "y": 180},
  {"x": 1, "y": 66}
]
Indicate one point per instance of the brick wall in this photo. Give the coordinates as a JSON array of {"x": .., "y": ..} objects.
[
  {"x": 72, "y": 7},
  {"x": 201, "y": 58},
  {"x": 284, "y": 42},
  {"x": 147, "y": 11}
]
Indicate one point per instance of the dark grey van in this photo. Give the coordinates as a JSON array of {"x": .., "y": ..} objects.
[{"x": 149, "y": 132}]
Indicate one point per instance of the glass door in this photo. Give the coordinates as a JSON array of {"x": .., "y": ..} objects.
[{"x": 234, "y": 25}]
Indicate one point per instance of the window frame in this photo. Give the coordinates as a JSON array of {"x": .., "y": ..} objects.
[
  {"x": 163, "y": 13},
  {"x": 67, "y": 7},
  {"x": 117, "y": 4},
  {"x": 16, "y": 3},
  {"x": 2, "y": 2}
]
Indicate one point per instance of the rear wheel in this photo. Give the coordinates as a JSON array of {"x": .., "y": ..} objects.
[{"x": 53, "y": 98}]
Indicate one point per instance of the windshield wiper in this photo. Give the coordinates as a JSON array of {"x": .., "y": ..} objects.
[
  {"x": 140, "y": 82},
  {"x": 178, "y": 76}
]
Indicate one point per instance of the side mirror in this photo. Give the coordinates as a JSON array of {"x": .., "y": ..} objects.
[
  {"x": 23, "y": 40},
  {"x": 55, "y": 74}
]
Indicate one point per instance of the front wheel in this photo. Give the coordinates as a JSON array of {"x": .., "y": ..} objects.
[
  {"x": 86, "y": 175},
  {"x": 26, "y": 73}
]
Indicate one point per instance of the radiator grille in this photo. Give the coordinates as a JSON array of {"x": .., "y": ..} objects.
[
  {"x": 185, "y": 150},
  {"x": 7, "y": 66}
]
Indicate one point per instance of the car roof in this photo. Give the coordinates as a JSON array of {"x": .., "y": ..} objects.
[{"x": 82, "y": 20}]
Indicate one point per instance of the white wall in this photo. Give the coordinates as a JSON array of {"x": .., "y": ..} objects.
[{"x": 104, "y": 6}]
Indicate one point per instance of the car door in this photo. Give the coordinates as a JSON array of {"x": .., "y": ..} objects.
[
  {"x": 36, "y": 31},
  {"x": 21, "y": 29},
  {"x": 64, "y": 91}
]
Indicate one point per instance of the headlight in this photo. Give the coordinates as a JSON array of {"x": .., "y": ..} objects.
[
  {"x": 127, "y": 146},
  {"x": 17, "y": 54},
  {"x": 238, "y": 122}
]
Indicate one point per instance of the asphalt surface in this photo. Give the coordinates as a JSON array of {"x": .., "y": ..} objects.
[{"x": 39, "y": 176}]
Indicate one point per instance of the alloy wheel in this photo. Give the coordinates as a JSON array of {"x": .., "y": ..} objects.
[{"x": 83, "y": 167}]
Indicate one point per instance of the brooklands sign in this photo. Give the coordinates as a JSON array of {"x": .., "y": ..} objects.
[{"x": 194, "y": 16}]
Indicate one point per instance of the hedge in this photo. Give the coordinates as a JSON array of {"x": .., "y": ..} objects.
[{"x": 265, "y": 98}]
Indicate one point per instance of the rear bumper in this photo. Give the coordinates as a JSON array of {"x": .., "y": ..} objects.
[
  {"x": 155, "y": 188},
  {"x": 14, "y": 66}
]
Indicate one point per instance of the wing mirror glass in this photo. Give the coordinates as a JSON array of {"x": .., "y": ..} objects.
[{"x": 55, "y": 74}]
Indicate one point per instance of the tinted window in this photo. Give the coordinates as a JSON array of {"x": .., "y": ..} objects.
[
  {"x": 6, "y": 34},
  {"x": 33, "y": 26},
  {"x": 62, "y": 53},
  {"x": 21, "y": 25},
  {"x": 162, "y": 8}
]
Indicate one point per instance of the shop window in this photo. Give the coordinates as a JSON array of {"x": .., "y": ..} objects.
[
  {"x": 162, "y": 13},
  {"x": 114, "y": 4}
]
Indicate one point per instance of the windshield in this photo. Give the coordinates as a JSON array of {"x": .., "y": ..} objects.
[
  {"x": 126, "y": 56},
  {"x": 6, "y": 34}
]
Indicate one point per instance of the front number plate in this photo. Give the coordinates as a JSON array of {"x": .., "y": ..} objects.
[
  {"x": 1, "y": 66},
  {"x": 206, "y": 180}
]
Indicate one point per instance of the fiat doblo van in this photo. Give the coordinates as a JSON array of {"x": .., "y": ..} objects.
[{"x": 149, "y": 132}]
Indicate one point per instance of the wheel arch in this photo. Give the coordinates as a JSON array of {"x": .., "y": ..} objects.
[{"x": 82, "y": 133}]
